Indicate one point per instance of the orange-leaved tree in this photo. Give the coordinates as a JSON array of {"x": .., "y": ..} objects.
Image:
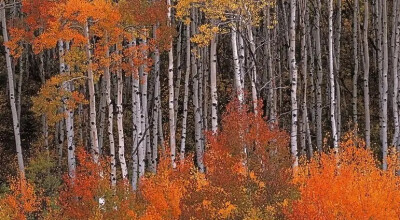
[
  {"x": 90, "y": 195},
  {"x": 162, "y": 193},
  {"x": 353, "y": 188},
  {"x": 21, "y": 201},
  {"x": 247, "y": 173}
]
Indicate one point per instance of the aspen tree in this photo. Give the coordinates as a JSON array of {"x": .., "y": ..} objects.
[
  {"x": 332, "y": 81},
  {"x": 356, "y": 60},
  {"x": 121, "y": 138},
  {"x": 10, "y": 74},
  {"x": 213, "y": 84},
  {"x": 319, "y": 76},
  {"x": 186, "y": 92},
  {"x": 395, "y": 56},
  {"x": 172, "y": 136},
  {"x": 293, "y": 92},
  {"x": 384, "y": 97},
  {"x": 92, "y": 99},
  {"x": 366, "y": 77}
]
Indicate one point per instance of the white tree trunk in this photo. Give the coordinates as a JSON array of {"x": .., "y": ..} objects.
[
  {"x": 293, "y": 93},
  {"x": 319, "y": 76},
  {"x": 121, "y": 139},
  {"x": 213, "y": 85},
  {"x": 92, "y": 99},
  {"x": 253, "y": 67},
  {"x": 196, "y": 104},
  {"x": 156, "y": 110},
  {"x": 332, "y": 80},
  {"x": 179, "y": 73},
  {"x": 16, "y": 123},
  {"x": 366, "y": 78},
  {"x": 395, "y": 52},
  {"x": 107, "y": 79},
  {"x": 384, "y": 86},
  {"x": 186, "y": 95},
  {"x": 236, "y": 65},
  {"x": 172, "y": 138},
  {"x": 69, "y": 119}
]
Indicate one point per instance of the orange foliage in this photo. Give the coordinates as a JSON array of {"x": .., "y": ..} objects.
[
  {"x": 247, "y": 169},
  {"x": 163, "y": 192},
  {"x": 20, "y": 202},
  {"x": 53, "y": 95},
  {"x": 353, "y": 189},
  {"x": 90, "y": 196}
]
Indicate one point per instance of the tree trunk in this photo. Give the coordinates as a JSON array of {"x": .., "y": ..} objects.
[
  {"x": 213, "y": 85},
  {"x": 293, "y": 73},
  {"x": 172, "y": 139},
  {"x": 186, "y": 95},
  {"x": 92, "y": 99},
  {"x": 384, "y": 85},
  {"x": 355, "y": 74},
  {"x": 236, "y": 65},
  {"x": 121, "y": 139},
  {"x": 319, "y": 76},
  {"x": 332, "y": 81},
  {"x": 196, "y": 104},
  {"x": 366, "y": 78},
  {"x": 395, "y": 52},
  {"x": 16, "y": 123}
]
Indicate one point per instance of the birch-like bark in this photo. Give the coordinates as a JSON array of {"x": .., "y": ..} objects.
[
  {"x": 304, "y": 63},
  {"x": 16, "y": 123},
  {"x": 142, "y": 119},
  {"x": 213, "y": 85},
  {"x": 92, "y": 99},
  {"x": 293, "y": 92},
  {"x": 19, "y": 89},
  {"x": 319, "y": 76},
  {"x": 138, "y": 148},
  {"x": 253, "y": 67},
  {"x": 145, "y": 110},
  {"x": 103, "y": 109},
  {"x": 311, "y": 73},
  {"x": 236, "y": 65},
  {"x": 69, "y": 119},
  {"x": 156, "y": 109},
  {"x": 179, "y": 73},
  {"x": 121, "y": 138},
  {"x": 110, "y": 119},
  {"x": 395, "y": 52},
  {"x": 206, "y": 90},
  {"x": 196, "y": 104},
  {"x": 356, "y": 60},
  {"x": 366, "y": 78},
  {"x": 332, "y": 81},
  {"x": 186, "y": 95},
  {"x": 172, "y": 138},
  {"x": 384, "y": 85},
  {"x": 336, "y": 67}
]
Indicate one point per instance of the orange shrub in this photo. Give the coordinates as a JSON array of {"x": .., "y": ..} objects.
[
  {"x": 353, "y": 189},
  {"x": 90, "y": 195},
  {"x": 246, "y": 170},
  {"x": 162, "y": 193},
  {"x": 20, "y": 202}
]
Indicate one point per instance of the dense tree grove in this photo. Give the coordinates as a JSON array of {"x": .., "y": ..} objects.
[{"x": 200, "y": 109}]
